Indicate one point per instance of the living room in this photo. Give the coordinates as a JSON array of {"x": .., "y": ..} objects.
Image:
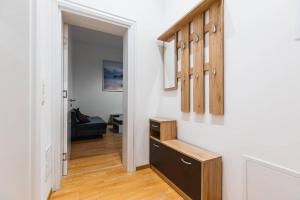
[{"x": 95, "y": 98}]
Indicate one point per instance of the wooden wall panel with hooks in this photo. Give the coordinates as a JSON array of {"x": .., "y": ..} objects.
[
  {"x": 198, "y": 64},
  {"x": 216, "y": 59},
  {"x": 185, "y": 69},
  {"x": 215, "y": 67}
]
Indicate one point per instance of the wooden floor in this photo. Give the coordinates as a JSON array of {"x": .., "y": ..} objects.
[{"x": 96, "y": 173}]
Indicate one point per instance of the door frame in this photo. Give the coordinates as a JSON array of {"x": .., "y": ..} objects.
[
  {"x": 129, "y": 58},
  {"x": 66, "y": 138}
]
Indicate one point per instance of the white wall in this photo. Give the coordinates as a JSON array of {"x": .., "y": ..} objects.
[
  {"x": 15, "y": 91},
  {"x": 87, "y": 79},
  {"x": 262, "y": 90}
]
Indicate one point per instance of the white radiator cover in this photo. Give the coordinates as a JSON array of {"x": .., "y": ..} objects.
[{"x": 267, "y": 181}]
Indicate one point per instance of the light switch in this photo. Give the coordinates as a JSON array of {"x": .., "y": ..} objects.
[{"x": 43, "y": 93}]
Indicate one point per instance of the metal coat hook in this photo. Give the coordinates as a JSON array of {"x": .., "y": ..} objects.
[
  {"x": 195, "y": 37},
  {"x": 213, "y": 71},
  {"x": 182, "y": 46},
  {"x": 213, "y": 28}
]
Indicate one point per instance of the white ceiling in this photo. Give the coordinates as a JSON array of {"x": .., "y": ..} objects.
[{"x": 95, "y": 37}]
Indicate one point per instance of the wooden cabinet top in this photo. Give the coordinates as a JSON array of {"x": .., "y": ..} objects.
[
  {"x": 190, "y": 150},
  {"x": 167, "y": 136},
  {"x": 161, "y": 120}
]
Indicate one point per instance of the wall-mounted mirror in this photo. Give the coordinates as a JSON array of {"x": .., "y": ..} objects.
[{"x": 170, "y": 66}]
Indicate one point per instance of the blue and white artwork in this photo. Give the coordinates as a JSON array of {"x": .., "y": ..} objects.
[{"x": 112, "y": 76}]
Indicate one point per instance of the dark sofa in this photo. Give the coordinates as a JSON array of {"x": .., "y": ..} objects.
[{"x": 95, "y": 128}]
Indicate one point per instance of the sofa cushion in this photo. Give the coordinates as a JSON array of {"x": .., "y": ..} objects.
[
  {"x": 94, "y": 123},
  {"x": 81, "y": 117}
]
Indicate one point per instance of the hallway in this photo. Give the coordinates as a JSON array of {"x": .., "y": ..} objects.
[{"x": 96, "y": 172}]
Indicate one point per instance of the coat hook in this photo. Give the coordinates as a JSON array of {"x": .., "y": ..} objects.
[
  {"x": 195, "y": 37},
  {"x": 182, "y": 46},
  {"x": 214, "y": 72},
  {"x": 213, "y": 28}
]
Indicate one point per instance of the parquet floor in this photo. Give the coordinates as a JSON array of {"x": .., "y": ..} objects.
[{"x": 96, "y": 173}]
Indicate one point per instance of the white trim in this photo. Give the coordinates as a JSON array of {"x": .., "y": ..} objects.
[
  {"x": 266, "y": 164},
  {"x": 32, "y": 103},
  {"x": 65, "y": 107},
  {"x": 130, "y": 60},
  {"x": 78, "y": 9},
  {"x": 57, "y": 100},
  {"x": 297, "y": 21}
]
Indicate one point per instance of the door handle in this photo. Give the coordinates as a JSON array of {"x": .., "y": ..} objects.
[
  {"x": 154, "y": 126},
  {"x": 185, "y": 162},
  {"x": 155, "y": 145},
  {"x": 71, "y": 100}
]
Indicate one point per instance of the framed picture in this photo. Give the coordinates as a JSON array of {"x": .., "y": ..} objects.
[{"x": 112, "y": 76}]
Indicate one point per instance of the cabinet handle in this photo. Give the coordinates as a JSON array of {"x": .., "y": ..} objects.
[
  {"x": 185, "y": 162},
  {"x": 155, "y": 145},
  {"x": 155, "y": 126}
]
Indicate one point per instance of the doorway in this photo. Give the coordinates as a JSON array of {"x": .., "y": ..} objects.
[
  {"x": 93, "y": 99},
  {"x": 85, "y": 17}
]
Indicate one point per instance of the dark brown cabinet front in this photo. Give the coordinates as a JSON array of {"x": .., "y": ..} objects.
[
  {"x": 182, "y": 170},
  {"x": 158, "y": 155},
  {"x": 186, "y": 174},
  {"x": 155, "y": 154},
  {"x": 154, "y": 126}
]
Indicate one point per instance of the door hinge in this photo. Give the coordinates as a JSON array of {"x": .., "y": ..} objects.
[
  {"x": 64, "y": 156},
  {"x": 65, "y": 94}
]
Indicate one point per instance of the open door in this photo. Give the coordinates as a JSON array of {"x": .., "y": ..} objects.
[{"x": 67, "y": 105}]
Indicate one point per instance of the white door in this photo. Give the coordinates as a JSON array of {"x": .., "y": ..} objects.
[{"x": 67, "y": 98}]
